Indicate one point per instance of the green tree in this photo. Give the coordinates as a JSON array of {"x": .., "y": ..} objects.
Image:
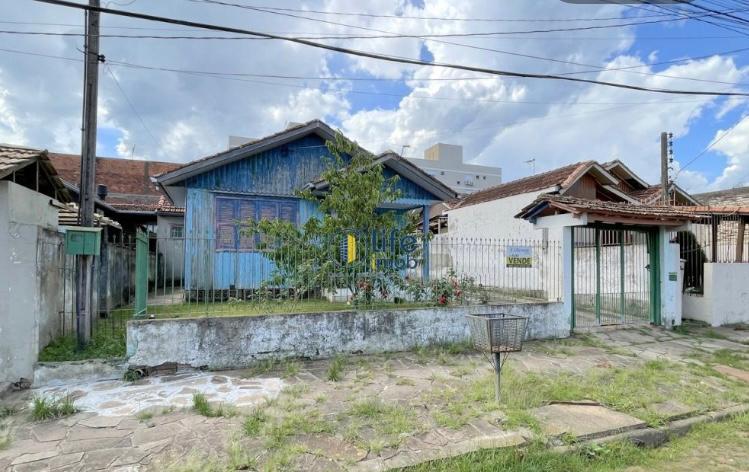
[{"x": 315, "y": 256}]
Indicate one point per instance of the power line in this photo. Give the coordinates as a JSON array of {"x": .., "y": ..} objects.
[
  {"x": 597, "y": 69},
  {"x": 457, "y": 35},
  {"x": 383, "y": 57},
  {"x": 130, "y": 103},
  {"x": 439, "y": 18},
  {"x": 710, "y": 146},
  {"x": 426, "y": 38},
  {"x": 239, "y": 77}
]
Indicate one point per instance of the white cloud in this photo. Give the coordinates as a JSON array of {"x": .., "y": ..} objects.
[
  {"x": 500, "y": 121},
  {"x": 735, "y": 146}
]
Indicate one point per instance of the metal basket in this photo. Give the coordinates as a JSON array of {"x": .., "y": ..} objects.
[{"x": 497, "y": 332}]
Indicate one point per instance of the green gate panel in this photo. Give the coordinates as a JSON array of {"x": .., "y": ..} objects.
[{"x": 141, "y": 273}]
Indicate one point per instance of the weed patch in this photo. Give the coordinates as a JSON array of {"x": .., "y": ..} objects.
[
  {"x": 335, "y": 369},
  {"x": 46, "y": 408},
  {"x": 201, "y": 406}
]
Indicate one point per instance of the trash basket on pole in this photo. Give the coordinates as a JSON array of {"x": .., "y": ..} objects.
[{"x": 497, "y": 333}]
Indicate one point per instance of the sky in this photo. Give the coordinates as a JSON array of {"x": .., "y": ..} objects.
[{"x": 214, "y": 88}]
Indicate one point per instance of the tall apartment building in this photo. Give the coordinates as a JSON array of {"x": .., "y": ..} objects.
[{"x": 445, "y": 162}]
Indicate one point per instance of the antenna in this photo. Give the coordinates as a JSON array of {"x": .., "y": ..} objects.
[
  {"x": 403, "y": 149},
  {"x": 532, "y": 163}
]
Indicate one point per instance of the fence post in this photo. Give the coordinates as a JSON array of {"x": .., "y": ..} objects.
[
  {"x": 425, "y": 250},
  {"x": 141, "y": 273}
]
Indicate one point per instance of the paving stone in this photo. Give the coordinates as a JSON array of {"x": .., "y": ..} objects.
[
  {"x": 30, "y": 446},
  {"x": 671, "y": 409},
  {"x": 65, "y": 460},
  {"x": 94, "y": 444},
  {"x": 101, "y": 421},
  {"x": 36, "y": 456},
  {"x": 47, "y": 432},
  {"x": 78, "y": 432},
  {"x": 130, "y": 456},
  {"x": 157, "y": 433},
  {"x": 733, "y": 372},
  {"x": 584, "y": 421},
  {"x": 101, "y": 459}
]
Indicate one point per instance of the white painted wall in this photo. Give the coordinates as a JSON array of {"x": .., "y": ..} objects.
[
  {"x": 25, "y": 216},
  {"x": 726, "y": 295},
  {"x": 496, "y": 219}
]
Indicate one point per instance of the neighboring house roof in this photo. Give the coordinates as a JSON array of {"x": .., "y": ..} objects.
[
  {"x": 652, "y": 194},
  {"x": 388, "y": 159},
  {"x": 731, "y": 197},
  {"x": 618, "y": 167},
  {"x": 68, "y": 216},
  {"x": 562, "y": 177},
  {"x": 128, "y": 181},
  {"x": 623, "y": 211},
  {"x": 17, "y": 158}
]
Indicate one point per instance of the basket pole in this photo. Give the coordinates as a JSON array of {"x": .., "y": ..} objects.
[{"x": 498, "y": 371}]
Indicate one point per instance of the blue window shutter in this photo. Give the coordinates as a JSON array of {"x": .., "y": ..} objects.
[
  {"x": 226, "y": 237},
  {"x": 247, "y": 212}
]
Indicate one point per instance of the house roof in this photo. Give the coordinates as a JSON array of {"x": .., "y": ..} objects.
[
  {"x": 68, "y": 216},
  {"x": 16, "y": 158},
  {"x": 128, "y": 181},
  {"x": 407, "y": 169},
  {"x": 618, "y": 166},
  {"x": 562, "y": 177},
  {"x": 620, "y": 211},
  {"x": 731, "y": 197},
  {"x": 652, "y": 194},
  {"x": 389, "y": 159}
]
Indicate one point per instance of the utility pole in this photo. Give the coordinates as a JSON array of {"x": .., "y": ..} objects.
[
  {"x": 664, "y": 167},
  {"x": 86, "y": 189},
  {"x": 532, "y": 164}
]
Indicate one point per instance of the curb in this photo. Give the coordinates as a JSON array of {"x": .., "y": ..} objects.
[
  {"x": 643, "y": 437},
  {"x": 654, "y": 437}
]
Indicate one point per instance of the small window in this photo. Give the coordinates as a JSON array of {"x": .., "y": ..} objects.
[{"x": 177, "y": 231}]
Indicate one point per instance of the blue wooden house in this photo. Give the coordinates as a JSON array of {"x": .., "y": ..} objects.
[{"x": 260, "y": 180}]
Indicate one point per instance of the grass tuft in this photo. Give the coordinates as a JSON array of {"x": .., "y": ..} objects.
[
  {"x": 254, "y": 422},
  {"x": 335, "y": 369},
  {"x": 201, "y": 406},
  {"x": 46, "y": 408}
]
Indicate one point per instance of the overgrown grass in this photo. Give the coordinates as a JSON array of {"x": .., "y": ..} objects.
[
  {"x": 631, "y": 390},
  {"x": 201, "y": 406},
  {"x": 107, "y": 342},
  {"x": 46, "y": 408},
  {"x": 391, "y": 423},
  {"x": 267, "y": 307},
  {"x": 6, "y": 411},
  {"x": 254, "y": 422},
  {"x": 731, "y": 435}
]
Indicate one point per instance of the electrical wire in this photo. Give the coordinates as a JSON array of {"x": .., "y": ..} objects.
[
  {"x": 130, "y": 103},
  {"x": 384, "y": 57},
  {"x": 710, "y": 146}
]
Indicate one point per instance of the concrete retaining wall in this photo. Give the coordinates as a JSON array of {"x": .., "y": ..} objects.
[{"x": 228, "y": 342}]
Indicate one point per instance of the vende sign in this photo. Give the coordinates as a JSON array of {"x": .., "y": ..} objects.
[{"x": 519, "y": 256}]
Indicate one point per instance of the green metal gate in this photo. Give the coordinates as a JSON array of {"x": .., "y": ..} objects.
[
  {"x": 614, "y": 276},
  {"x": 141, "y": 273}
]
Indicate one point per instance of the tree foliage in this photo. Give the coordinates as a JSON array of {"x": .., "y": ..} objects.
[{"x": 315, "y": 256}]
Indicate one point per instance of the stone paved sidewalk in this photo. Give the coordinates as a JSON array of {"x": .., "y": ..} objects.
[{"x": 384, "y": 412}]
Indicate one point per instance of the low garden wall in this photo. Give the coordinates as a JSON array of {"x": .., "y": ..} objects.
[{"x": 238, "y": 341}]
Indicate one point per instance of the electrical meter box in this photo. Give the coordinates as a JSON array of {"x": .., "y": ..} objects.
[{"x": 82, "y": 241}]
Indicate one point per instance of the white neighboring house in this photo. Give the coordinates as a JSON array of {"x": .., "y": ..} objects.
[
  {"x": 445, "y": 163},
  {"x": 487, "y": 219}
]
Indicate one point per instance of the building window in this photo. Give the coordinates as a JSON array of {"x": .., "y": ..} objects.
[
  {"x": 176, "y": 231},
  {"x": 234, "y": 214}
]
